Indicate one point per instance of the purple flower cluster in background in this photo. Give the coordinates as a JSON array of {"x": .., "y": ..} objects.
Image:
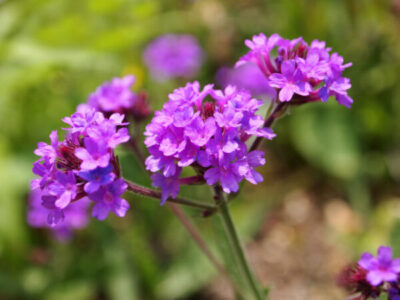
[
  {"x": 300, "y": 72},
  {"x": 76, "y": 216},
  {"x": 83, "y": 165},
  {"x": 116, "y": 96},
  {"x": 209, "y": 134},
  {"x": 247, "y": 76},
  {"x": 172, "y": 56}
]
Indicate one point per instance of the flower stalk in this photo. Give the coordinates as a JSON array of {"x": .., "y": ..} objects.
[
  {"x": 233, "y": 236},
  {"x": 202, "y": 244},
  {"x": 137, "y": 189},
  {"x": 275, "y": 114}
]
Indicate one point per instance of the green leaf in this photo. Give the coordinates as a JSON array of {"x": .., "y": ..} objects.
[{"x": 325, "y": 136}]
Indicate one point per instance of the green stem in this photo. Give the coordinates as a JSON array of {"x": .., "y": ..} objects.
[
  {"x": 273, "y": 116},
  {"x": 144, "y": 191},
  {"x": 202, "y": 244},
  {"x": 237, "y": 247}
]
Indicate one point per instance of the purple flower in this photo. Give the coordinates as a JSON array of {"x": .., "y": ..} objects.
[
  {"x": 299, "y": 72},
  {"x": 84, "y": 117},
  {"x": 226, "y": 175},
  {"x": 97, "y": 178},
  {"x": 106, "y": 132},
  {"x": 64, "y": 188},
  {"x": 200, "y": 132},
  {"x": 247, "y": 76},
  {"x": 338, "y": 88},
  {"x": 114, "y": 96},
  {"x": 108, "y": 198},
  {"x": 94, "y": 154},
  {"x": 229, "y": 118},
  {"x": 246, "y": 166},
  {"x": 172, "y": 56},
  {"x": 81, "y": 165},
  {"x": 75, "y": 216},
  {"x": 382, "y": 268},
  {"x": 169, "y": 185},
  {"x": 290, "y": 81},
  {"x": 209, "y": 134},
  {"x": 45, "y": 170},
  {"x": 48, "y": 152}
]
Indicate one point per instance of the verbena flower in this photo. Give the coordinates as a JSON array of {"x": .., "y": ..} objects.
[
  {"x": 300, "y": 72},
  {"x": 116, "y": 96},
  {"x": 247, "y": 76},
  {"x": 76, "y": 216},
  {"x": 108, "y": 198},
  {"x": 172, "y": 56},
  {"x": 206, "y": 129},
  {"x": 82, "y": 165},
  {"x": 382, "y": 268}
]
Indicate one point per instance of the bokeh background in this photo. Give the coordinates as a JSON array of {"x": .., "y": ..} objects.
[{"x": 332, "y": 178}]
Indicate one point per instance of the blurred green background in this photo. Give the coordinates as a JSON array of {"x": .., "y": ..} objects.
[{"x": 332, "y": 178}]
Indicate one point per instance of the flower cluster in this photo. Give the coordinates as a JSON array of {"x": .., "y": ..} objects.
[
  {"x": 116, "y": 96},
  {"x": 76, "y": 216},
  {"x": 375, "y": 275},
  {"x": 172, "y": 56},
  {"x": 83, "y": 165},
  {"x": 209, "y": 134},
  {"x": 247, "y": 76},
  {"x": 381, "y": 268},
  {"x": 300, "y": 72}
]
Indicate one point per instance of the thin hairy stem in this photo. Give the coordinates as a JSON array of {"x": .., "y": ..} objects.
[
  {"x": 192, "y": 180},
  {"x": 276, "y": 113},
  {"x": 138, "y": 152},
  {"x": 201, "y": 243},
  {"x": 235, "y": 242},
  {"x": 144, "y": 191}
]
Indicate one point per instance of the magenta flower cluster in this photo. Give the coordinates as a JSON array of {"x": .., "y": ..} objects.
[
  {"x": 76, "y": 216},
  {"x": 82, "y": 165},
  {"x": 114, "y": 96},
  {"x": 373, "y": 277},
  {"x": 300, "y": 72},
  {"x": 207, "y": 129},
  {"x": 382, "y": 268},
  {"x": 247, "y": 76},
  {"x": 172, "y": 56}
]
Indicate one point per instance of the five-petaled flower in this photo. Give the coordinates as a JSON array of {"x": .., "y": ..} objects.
[{"x": 382, "y": 268}]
